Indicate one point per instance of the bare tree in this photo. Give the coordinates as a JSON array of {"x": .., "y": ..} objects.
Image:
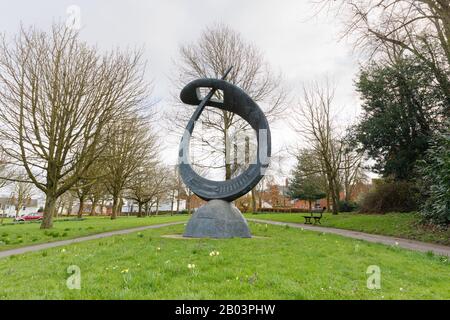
[
  {"x": 174, "y": 186},
  {"x": 5, "y": 174},
  {"x": 218, "y": 48},
  {"x": 352, "y": 172},
  {"x": 418, "y": 27},
  {"x": 97, "y": 194},
  {"x": 149, "y": 184},
  {"x": 58, "y": 98},
  {"x": 131, "y": 147},
  {"x": 314, "y": 121},
  {"x": 161, "y": 187},
  {"x": 65, "y": 204},
  {"x": 89, "y": 186},
  {"x": 22, "y": 193}
]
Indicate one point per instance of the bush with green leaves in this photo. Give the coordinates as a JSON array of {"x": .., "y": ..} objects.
[
  {"x": 435, "y": 182},
  {"x": 401, "y": 109},
  {"x": 347, "y": 206},
  {"x": 390, "y": 196}
]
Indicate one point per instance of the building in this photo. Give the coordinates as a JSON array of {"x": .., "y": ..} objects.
[{"x": 8, "y": 207}]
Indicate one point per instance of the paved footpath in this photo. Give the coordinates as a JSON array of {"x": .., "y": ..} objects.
[
  {"x": 41, "y": 246},
  {"x": 403, "y": 243},
  {"x": 400, "y": 242}
]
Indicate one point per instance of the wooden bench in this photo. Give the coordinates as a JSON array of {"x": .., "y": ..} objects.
[{"x": 316, "y": 214}]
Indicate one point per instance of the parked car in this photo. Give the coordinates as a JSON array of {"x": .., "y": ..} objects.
[{"x": 30, "y": 217}]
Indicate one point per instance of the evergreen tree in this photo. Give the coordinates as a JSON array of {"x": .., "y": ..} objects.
[
  {"x": 402, "y": 108},
  {"x": 308, "y": 181}
]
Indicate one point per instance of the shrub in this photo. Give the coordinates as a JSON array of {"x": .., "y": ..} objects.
[
  {"x": 388, "y": 196},
  {"x": 435, "y": 182},
  {"x": 347, "y": 206}
]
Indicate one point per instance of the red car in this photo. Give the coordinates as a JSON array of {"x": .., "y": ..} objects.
[{"x": 30, "y": 217}]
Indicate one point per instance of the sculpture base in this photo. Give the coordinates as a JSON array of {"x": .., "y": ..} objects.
[{"x": 217, "y": 219}]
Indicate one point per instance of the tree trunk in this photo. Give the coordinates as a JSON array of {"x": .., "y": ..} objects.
[
  {"x": 115, "y": 206},
  {"x": 253, "y": 200},
  {"x": 80, "y": 208},
  {"x": 328, "y": 201},
  {"x": 102, "y": 206},
  {"x": 49, "y": 210},
  {"x": 260, "y": 201},
  {"x": 335, "y": 200},
  {"x": 310, "y": 207},
  {"x": 227, "y": 148},
  {"x": 332, "y": 192},
  {"x": 335, "y": 207},
  {"x": 94, "y": 204},
  {"x": 59, "y": 209},
  {"x": 189, "y": 202},
  {"x": 337, "y": 196},
  {"x": 69, "y": 208},
  {"x": 157, "y": 206},
  {"x": 150, "y": 209},
  {"x": 172, "y": 202},
  {"x": 119, "y": 208},
  {"x": 139, "y": 210}
]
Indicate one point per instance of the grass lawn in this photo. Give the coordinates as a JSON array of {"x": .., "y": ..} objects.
[
  {"x": 19, "y": 235},
  {"x": 403, "y": 225},
  {"x": 283, "y": 263}
]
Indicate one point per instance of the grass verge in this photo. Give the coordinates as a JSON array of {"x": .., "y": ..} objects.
[
  {"x": 403, "y": 225},
  {"x": 19, "y": 235},
  {"x": 282, "y": 263}
]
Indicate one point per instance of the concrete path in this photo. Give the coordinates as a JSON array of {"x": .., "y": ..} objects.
[
  {"x": 41, "y": 246},
  {"x": 400, "y": 242},
  {"x": 403, "y": 243}
]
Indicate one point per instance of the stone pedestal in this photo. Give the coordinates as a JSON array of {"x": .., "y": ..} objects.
[{"x": 217, "y": 219}]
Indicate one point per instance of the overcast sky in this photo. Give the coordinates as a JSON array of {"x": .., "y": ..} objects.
[{"x": 301, "y": 46}]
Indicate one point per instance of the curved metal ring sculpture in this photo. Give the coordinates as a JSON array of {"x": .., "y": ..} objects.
[{"x": 237, "y": 101}]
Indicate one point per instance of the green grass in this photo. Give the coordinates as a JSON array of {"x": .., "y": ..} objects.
[
  {"x": 23, "y": 234},
  {"x": 284, "y": 263},
  {"x": 403, "y": 225}
]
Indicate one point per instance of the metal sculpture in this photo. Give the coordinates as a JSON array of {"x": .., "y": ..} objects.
[{"x": 219, "y": 218}]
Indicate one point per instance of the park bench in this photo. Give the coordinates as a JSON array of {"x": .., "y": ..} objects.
[{"x": 316, "y": 214}]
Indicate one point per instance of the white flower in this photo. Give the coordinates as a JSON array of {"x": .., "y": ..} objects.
[
  {"x": 396, "y": 243},
  {"x": 124, "y": 271},
  {"x": 214, "y": 253},
  {"x": 191, "y": 266},
  {"x": 401, "y": 289},
  {"x": 158, "y": 249},
  {"x": 63, "y": 250}
]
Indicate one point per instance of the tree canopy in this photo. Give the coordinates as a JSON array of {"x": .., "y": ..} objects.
[
  {"x": 305, "y": 183},
  {"x": 402, "y": 107}
]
